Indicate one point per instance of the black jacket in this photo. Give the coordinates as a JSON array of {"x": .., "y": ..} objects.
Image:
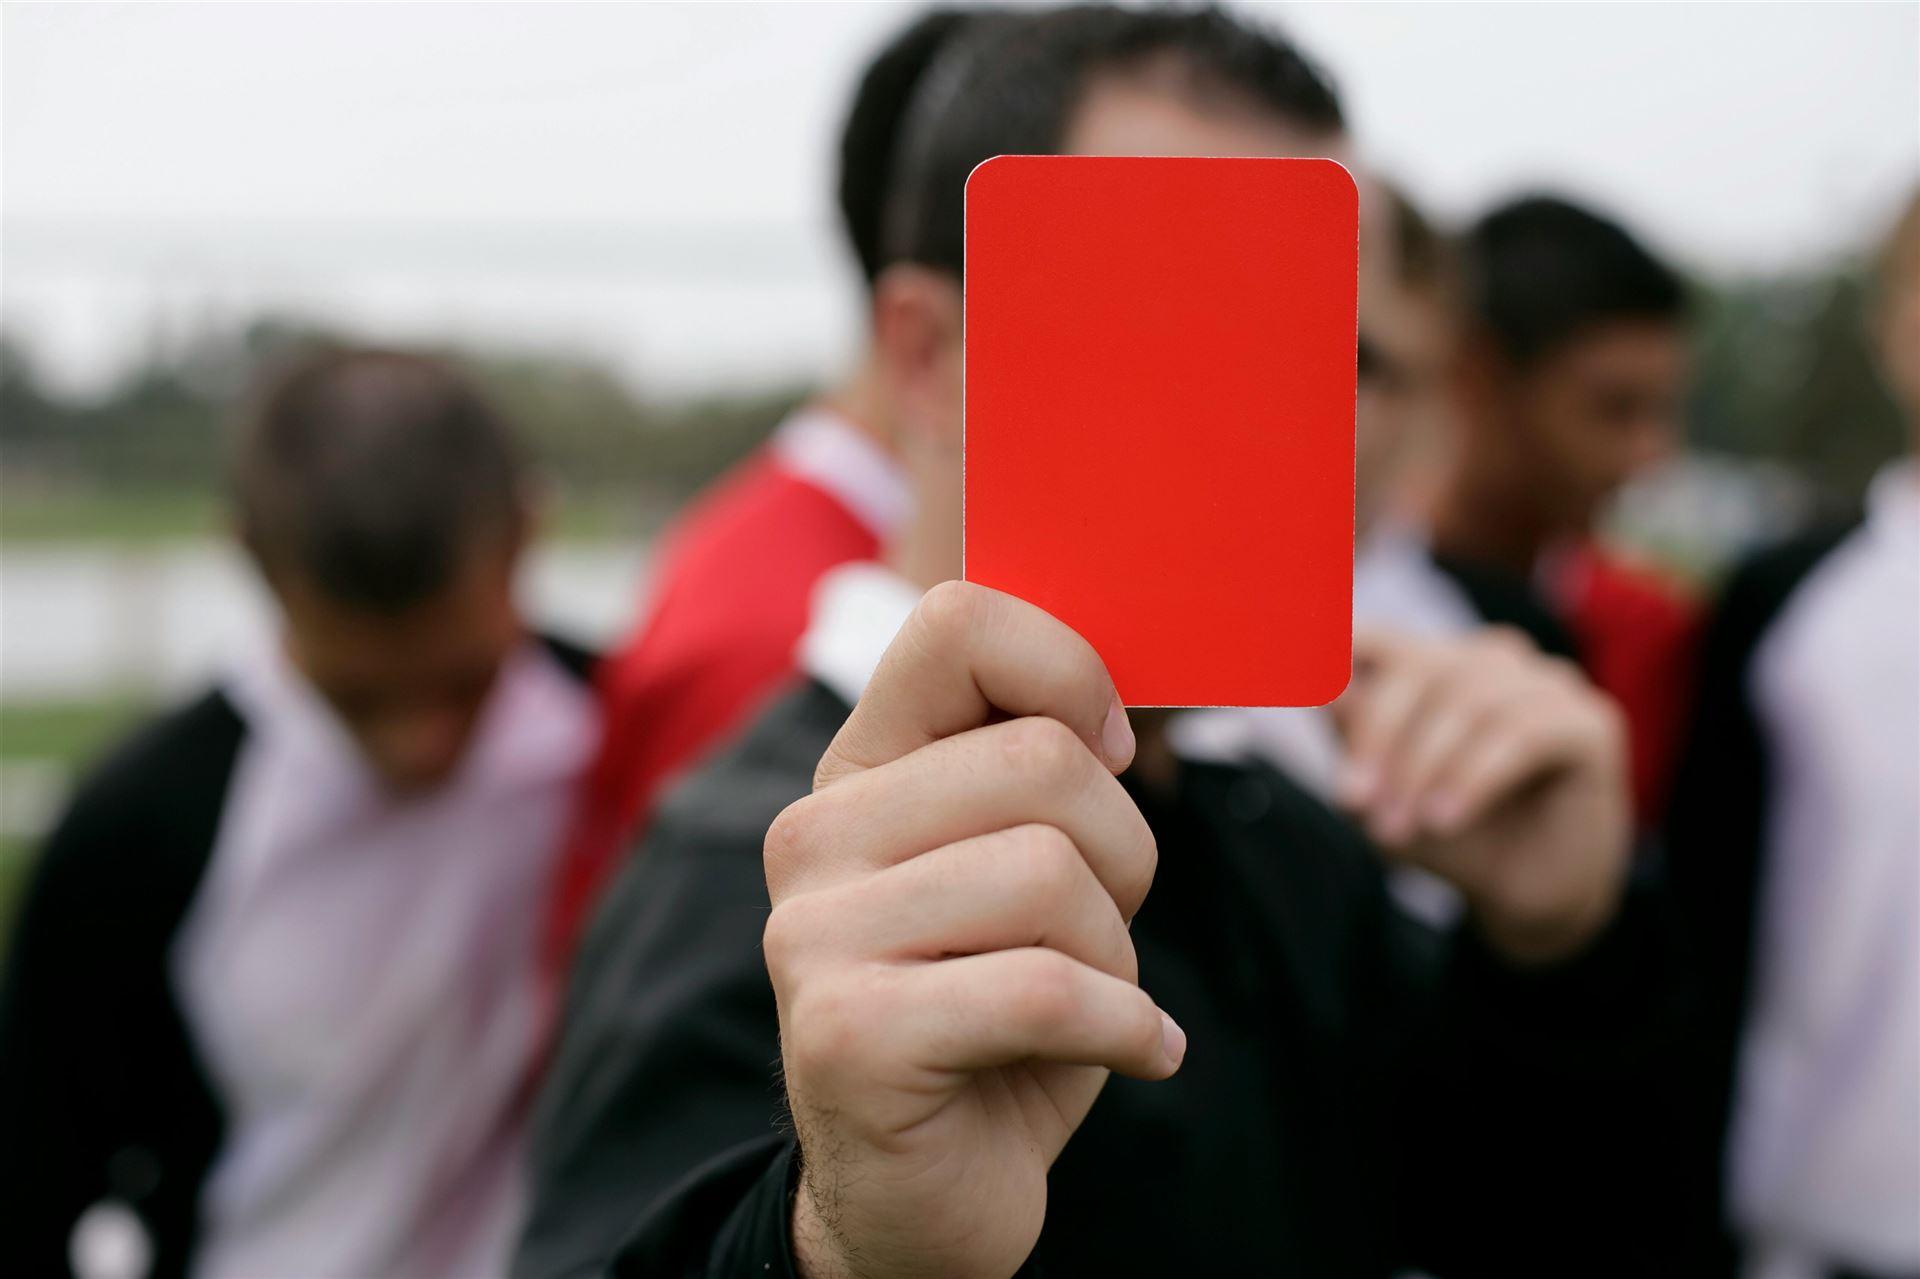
[
  {"x": 1357, "y": 1096},
  {"x": 102, "y": 1096},
  {"x": 1714, "y": 866}
]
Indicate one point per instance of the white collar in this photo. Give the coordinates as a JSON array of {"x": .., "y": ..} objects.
[
  {"x": 538, "y": 723},
  {"x": 825, "y": 449},
  {"x": 280, "y": 706},
  {"x": 1397, "y": 585},
  {"x": 1893, "y": 501},
  {"x": 857, "y": 610}
]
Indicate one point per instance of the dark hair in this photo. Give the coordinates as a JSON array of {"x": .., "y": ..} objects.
[
  {"x": 373, "y": 473},
  {"x": 1541, "y": 270},
  {"x": 1009, "y": 83},
  {"x": 869, "y": 141}
]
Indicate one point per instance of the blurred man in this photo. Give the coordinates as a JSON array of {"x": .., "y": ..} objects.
[
  {"x": 953, "y": 939},
  {"x": 730, "y": 590},
  {"x": 1569, "y": 385},
  {"x": 1795, "y": 850},
  {"x": 273, "y": 1000}
]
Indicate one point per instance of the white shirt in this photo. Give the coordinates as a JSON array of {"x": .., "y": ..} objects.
[
  {"x": 1825, "y": 1145},
  {"x": 831, "y": 453},
  {"x": 857, "y": 609},
  {"x": 359, "y": 974}
]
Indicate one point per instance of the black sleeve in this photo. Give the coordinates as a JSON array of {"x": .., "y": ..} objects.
[
  {"x": 1710, "y": 863},
  {"x": 1533, "y": 1108},
  {"x": 575, "y": 659},
  {"x": 1497, "y": 1112},
  {"x": 101, "y": 1094},
  {"x": 1715, "y": 823},
  {"x": 729, "y": 1217},
  {"x": 54, "y": 1145},
  {"x": 1588, "y": 1101},
  {"x": 669, "y": 1052}
]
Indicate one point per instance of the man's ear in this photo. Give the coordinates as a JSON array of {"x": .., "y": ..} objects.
[
  {"x": 917, "y": 333},
  {"x": 533, "y": 498}
]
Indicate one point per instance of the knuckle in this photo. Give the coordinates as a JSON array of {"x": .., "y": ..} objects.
[
  {"x": 1495, "y": 706},
  {"x": 789, "y": 841},
  {"x": 823, "y": 1032},
  {"x": 1609, "y": 721},
  {"x": 1566, "y": 674},
  {"x": 1050, "y": 862},
  {"x": 1050, "y": 994},
  {"x": 1043, "y": 748},
  {"x": 789, "y": 933},
  {"x": 1507, "y": 640},
  {"x": 948, "y": 610}
]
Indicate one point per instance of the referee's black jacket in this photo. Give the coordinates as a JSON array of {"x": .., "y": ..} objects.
[{"x": 1358, "y": 1096}]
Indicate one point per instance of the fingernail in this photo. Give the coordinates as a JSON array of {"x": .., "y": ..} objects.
[
  {"x": 1116, "y": 737},
  {"x": 1173, "y": 1040}
]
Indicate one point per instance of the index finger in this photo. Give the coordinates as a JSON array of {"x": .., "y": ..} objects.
[{"x": 966, "y": 653}]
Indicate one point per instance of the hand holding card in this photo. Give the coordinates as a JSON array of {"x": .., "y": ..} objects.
[{"x": 1159, "y": 415}]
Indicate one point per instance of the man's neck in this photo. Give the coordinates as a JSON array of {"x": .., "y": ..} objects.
[
  {"x": 862, "y": 401},
  {"x": 1472, "y": 522}
]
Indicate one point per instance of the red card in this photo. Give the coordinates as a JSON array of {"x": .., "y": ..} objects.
[{"x": 1160, "y": 363}]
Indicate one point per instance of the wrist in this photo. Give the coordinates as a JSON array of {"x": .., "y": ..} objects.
[{"x": 816, "y": 1250}]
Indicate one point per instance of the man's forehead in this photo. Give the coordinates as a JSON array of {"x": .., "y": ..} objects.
[
  {"x": 1137, "y": 114},
  {"x": 1641, "y": 341}
]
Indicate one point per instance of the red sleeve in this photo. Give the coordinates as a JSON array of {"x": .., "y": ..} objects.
[
  {"x": 1636, "y": 635},
  {"x": 730, "y": 604}
]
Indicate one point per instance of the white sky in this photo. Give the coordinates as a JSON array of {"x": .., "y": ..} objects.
[{"x": 652, "y": 184}]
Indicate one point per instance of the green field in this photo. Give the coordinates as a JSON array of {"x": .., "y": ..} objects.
[
  {"x": 67, "y": 518},
  {"x": 104, "y": 517}
]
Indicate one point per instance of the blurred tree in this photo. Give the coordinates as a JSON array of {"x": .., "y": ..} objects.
[
  {"x": 1786, "y": 372},
  {"x": 619, "y": 463}
]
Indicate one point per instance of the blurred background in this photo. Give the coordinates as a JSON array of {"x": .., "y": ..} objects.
[{"x": 621, "y": 218}]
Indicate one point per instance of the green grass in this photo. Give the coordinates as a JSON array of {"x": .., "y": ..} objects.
[
  {"x": 109, "y": 517},
  {"x": 68, "y": 733},
  {"x": 172, "y": 516}
]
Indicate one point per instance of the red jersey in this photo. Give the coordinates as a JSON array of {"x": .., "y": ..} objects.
[
  {"x": 1635, "y": 633},
  {"x": 729, "y": 602}
]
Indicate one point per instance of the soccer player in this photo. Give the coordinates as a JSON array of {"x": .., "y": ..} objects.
[
  {"x": 273, "y": 1001},
  {"x": 1569, "y": 384}
]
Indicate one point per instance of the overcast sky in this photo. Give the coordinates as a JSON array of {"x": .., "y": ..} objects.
[{"x": 651, "y": 184}]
